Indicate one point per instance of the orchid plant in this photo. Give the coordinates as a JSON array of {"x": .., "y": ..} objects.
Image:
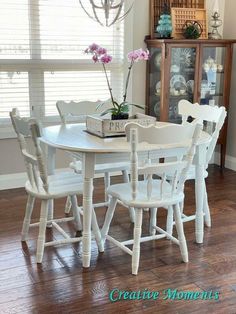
[{"x": 100, "y": 54}]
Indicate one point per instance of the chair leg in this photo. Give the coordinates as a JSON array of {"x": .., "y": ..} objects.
[
  {"x": 107, "y": 183},
  {"x": 125, "y": 175},
  {"x": 50, "y": 212},
  {"x": 108, "y": 218},
  {"x": 28, "y": 213},
  {"x": 68, "y": 205},
  {"x": 169, "y": 221},
  {"x": 76, "y": 214},
  {"x": 206, "y": 209},
  {"x": 181, "y": 207},
  {"x": 131, "y": 214},
  {"x": 137, "y": 236},
  {"x": 97, "y": 232},
  {"x": 180, "y": 232},
  {"x": 199, "y": 197},
  {"x": 42, "y": 230},
  {"x": 153, "y": 221}
]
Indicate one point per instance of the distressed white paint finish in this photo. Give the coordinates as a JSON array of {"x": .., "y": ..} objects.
[
  {"x": 74, "y": 138},
  {"x": 152, "y": 193},
  {"x": 216, "y": 116},
  {"x": 79, "y": 111},
  {"x": 43, "y": 186}
]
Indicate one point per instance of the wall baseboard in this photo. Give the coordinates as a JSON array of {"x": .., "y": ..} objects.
[
  {"x": 17, "y": 180},
  {"x": 12, "y": 181},
  {"x": 230, "y": 162}
]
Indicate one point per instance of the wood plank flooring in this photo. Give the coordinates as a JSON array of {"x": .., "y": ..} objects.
[{"x": 61, "y": 285}]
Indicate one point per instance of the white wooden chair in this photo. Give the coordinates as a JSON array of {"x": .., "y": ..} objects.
[
  {"x": 173, "y": 141},
  {"x": 45, "y": 187},
  {"x": 79, "y": 111},
  {"x": 213, "y": 119}
]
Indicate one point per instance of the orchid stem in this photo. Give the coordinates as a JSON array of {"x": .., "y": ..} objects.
[
  {"x": 108, "y": 84},
  {"x": 127, "y": 80}
]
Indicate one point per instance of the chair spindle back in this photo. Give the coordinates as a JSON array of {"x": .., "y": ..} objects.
[
  {"x": 214, "y": 115},
  {"x": 80, "y": 109},
  {"x": 182, "y": 147},
  {"x": 35, "y": 165}
]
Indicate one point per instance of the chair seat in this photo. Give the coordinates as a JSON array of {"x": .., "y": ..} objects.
[
  {"x": 101, "y": 168},
  {"x": 123, "y": 192},
  {"x": 60, "y": 185}
]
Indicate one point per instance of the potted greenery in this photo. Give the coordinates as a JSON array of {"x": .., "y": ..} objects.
[{"x": 100, "y": 54}]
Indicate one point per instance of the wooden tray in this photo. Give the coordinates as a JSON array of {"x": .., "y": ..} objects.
[
  {"x": 156, "y": 7},
  {"x": 105, "y": 127},
  {"x": 181, "y": 15}
]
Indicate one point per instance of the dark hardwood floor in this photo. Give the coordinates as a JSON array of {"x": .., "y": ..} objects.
[{"x": 61, "y": 285}]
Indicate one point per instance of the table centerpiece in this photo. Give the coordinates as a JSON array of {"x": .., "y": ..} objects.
[{"x": 103, "y": 124}]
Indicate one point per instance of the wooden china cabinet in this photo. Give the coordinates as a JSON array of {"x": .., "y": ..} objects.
[{"x": 196, "y": 70}]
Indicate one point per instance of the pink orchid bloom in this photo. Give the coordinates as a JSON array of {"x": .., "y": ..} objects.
[
  {"x": 133, "y": 55},
  {"x": 138, "y": 55},
  {"x": 93, "y": 47},
  {"x": 95, "y": 58},
  {"x": 106, "y": 58},
  {"x": 143, "y": 55},
  {"x": 101, "y": 51}
]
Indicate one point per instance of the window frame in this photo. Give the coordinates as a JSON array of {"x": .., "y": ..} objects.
[{"x": 35, "y": 66}]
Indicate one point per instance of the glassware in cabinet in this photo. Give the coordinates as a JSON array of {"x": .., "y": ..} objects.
[
  {"x": 155, "y": 88},
  {"x": 182, "y": 79},
  {"x": 213, "y": 75}
]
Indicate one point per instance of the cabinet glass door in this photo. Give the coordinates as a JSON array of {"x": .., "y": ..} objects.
[
  {"x": 182, "y": 79},
  {"x": 155, "y": 65},
  {"x": 212, "y": 81}
]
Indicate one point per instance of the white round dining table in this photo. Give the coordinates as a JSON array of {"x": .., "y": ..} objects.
[{"x": 91, "y": 150}]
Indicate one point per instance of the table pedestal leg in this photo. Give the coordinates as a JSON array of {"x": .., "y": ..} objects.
[
  {"x": 199, "y": 194},
  {"x": 88, "y": 174}
]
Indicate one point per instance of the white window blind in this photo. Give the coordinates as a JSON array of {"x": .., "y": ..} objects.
[{"x": 42, "y": 59}]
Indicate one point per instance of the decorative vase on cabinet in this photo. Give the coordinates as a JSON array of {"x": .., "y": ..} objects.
[{"x": 196, "y": 70}]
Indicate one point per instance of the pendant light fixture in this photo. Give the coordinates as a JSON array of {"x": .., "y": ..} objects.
[{"x": 105, "y": 12}]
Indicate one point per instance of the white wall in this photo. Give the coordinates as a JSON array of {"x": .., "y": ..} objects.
[{"x": 230, "y": 32}]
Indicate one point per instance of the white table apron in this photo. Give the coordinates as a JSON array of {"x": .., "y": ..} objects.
[{"x": 96, "y": 150}]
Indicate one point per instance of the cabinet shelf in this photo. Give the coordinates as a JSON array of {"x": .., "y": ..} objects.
[
  {"x": 185, "y": 70},
  {"x": 217, "y": 72},
  {"x": 213, "y": 95},
  {"x": 180, "y": 96},
  {"x": 189, "y": 70}
]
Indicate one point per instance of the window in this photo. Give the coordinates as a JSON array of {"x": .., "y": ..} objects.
[{"x": 42, "y": 59}]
